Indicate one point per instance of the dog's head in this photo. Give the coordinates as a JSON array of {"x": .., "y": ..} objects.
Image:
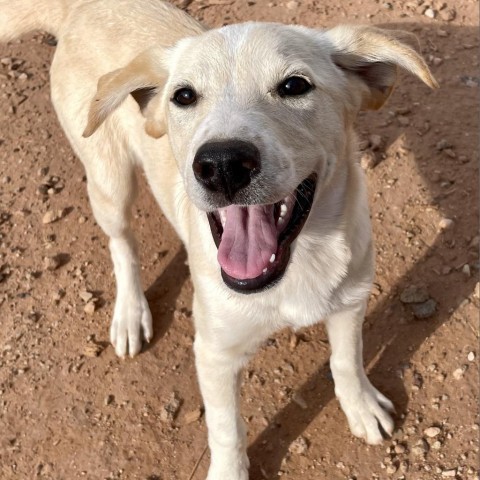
[{"x": 257, "y": 117}]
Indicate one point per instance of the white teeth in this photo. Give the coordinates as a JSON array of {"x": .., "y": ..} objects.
[
  {"x": 283, "y": 210},
  {"x": 223, "y": 217},
  {"x": 272, "y": 258},
  {"x": 264, "y": 270},
  {"x": 280, "y": 220}
]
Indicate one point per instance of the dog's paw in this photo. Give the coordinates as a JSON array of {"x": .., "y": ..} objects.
[
  {"x": 131, "y": 325},
  {"x": 227, "y": 473},
  {"x": 367, "y": 413},
  {"x": 229, "y": 464}
]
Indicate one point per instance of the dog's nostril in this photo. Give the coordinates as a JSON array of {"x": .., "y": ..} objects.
[
  {"x": 203, "y": 170},
  {"x": 226, "y": 166}
]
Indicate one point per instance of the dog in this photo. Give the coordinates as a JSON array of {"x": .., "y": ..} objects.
[{"x": 245, "y": 134}]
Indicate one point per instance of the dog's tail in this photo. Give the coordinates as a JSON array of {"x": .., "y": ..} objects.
[{"x": 18, "y": 17}]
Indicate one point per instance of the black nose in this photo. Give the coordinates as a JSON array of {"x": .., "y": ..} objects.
[{"x": 226, "y": 166}]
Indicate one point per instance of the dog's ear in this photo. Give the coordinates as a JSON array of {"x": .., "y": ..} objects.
[
  {"x": 143, "y": 78},
  {"x": 373, "y": 55}
]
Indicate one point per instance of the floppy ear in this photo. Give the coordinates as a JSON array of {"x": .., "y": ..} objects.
[
  {"x": 143, "y": 78},
  {"x": 373, "y": 55}
]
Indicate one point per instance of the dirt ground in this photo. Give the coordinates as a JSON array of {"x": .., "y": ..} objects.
[{"x": 70, "y": 409}]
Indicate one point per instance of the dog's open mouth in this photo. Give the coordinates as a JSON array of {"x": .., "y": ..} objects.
[{"x": 254, "y": 241}]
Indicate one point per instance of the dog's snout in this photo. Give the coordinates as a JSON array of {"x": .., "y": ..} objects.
[{"x": 226, "y": 166}]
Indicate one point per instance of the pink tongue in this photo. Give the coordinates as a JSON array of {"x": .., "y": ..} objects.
[{"x": 249, "y": 240}]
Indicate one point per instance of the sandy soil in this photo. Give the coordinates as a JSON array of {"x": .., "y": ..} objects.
[{"x": 70, "y": 409}]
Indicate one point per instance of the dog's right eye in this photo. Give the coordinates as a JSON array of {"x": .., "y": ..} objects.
[{"x": 184, "y": 97}]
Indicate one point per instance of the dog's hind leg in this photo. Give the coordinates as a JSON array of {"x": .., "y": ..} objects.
[
  {"x": 111, "y": 189},
  {"x": 365, "y": 407}
]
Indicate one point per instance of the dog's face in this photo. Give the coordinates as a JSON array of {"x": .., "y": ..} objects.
[{"x": 257, "y": 116}]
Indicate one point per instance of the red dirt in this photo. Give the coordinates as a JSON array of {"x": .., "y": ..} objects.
[{"x": 70, "y": 409}]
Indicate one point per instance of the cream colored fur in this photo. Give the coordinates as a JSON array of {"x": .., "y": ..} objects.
[{"x": 110, "y": 48}]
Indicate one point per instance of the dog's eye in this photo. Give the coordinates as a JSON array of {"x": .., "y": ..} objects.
[
  {"x": 184, "y": 97},
  {"x": 294, "y": 86}
]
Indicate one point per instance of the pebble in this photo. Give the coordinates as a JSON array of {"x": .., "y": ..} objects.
[
  {"x": 458, "y": 373},
  {"x": 6, "y": 61},
  {"x": 471, "y": 356},
  {"x": 300, "y": 401},
  {"x": 90, "y": 307},
  {"x": 430, "y": 13},
  {"x": 52, "y": 216},
  {"x": 193, "y": 416},
  {"x": 299, "y": 446},
  {"x": 391, "y": 469},
  {"x": 448, "y": 15},
  {"x": 292, "y": 5},
  {"x": 446, "y": 224},
  {"x": 368, "y": 160},
  {"x": 414, "y": 294},
  {"x": 92, "y": 349},
  {"x": 403, "y": 121},
  {"x": 443, "y": 144},
  {"x": 23, "y": 76},
  {"x": 466, "y": 270},
  {"x": 109, "y": 399},
  {"x": 85, "y": 295},
  {"x": 376, "y": 141},
  {"x": 170, "y": 409},
  {"x": 399, "y": 449},
  {"x": 51, "y": 263},
  {"x": 432, "y": 432},
  {"x": 449, "y": 473},
  {"x": 425, "y": 309},
  {"x": 420, "y": 448}
]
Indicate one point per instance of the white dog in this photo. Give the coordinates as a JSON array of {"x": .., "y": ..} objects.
[{"x": 245, "y": 134}]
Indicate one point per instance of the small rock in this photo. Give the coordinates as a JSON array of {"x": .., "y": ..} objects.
[
  {"x": 443, "y": 144},
  {"x": 193, "y": 416},
  {"x": 458, "y": 373},
  {"x": 52, "y": 216},
  {"x": 437, "y": 444},
  {"x": 298, "y": 446},
  {"x": 300, "y": 401},
  {"x": 23, "y": 76},
  {"x": 425, "y": 309},
  {"x": 449, "y": 473},
  {"x": 109, "y": 399},
  {"x": 92, "y": 349},
  {"x": 448, "y": 15},
  {"x": 430, "y": 13},
  {"x": 399, "y": 449},
  {"x": 450, "y": 153},
  {"x": 432, "y": 432},
  {"x": 292, "y": 5},
  {"x": 414, "y": 294},
  {"x": 404, "y": 466},
  {"x": 403, "y": 121},
  {"x": 6, "y": 61},
  {"x": 471, "y": 356},
  {"x": 391, "y": 469},
  {"x": 90, "y": 307},
  {"x": 442, "y": 33},
  {"x": 376, "y": 142},
  {"x": 85, "y": 295},
  {"x": 466, "y": 270},
  {"x": 170, "y": 409},
  {"x": 446, "y": 224},
  {"x": 51, "y": 263},
  {"x": 368, "y": 160},
  {"x": 420, "y": 448}
]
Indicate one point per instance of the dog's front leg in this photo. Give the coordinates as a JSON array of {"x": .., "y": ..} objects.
[
  {"x": 111, "y": 203},
  {"x": 219, "y": 378},
  {"x": 365, "y": 407}
]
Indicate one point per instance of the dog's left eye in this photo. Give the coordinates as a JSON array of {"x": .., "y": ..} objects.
[{"x": 294, "y": 86}]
